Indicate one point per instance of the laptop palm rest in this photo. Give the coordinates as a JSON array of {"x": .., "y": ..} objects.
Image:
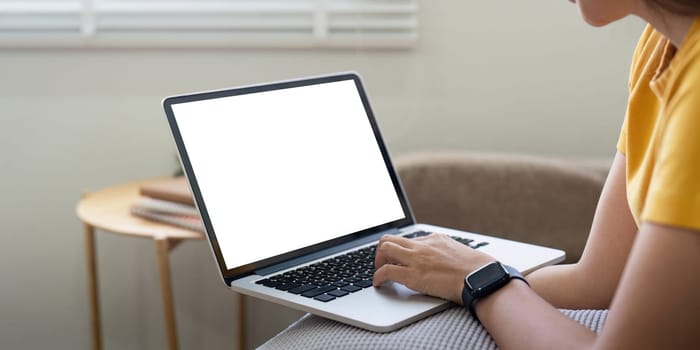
[{"x": 382, "y": 309}]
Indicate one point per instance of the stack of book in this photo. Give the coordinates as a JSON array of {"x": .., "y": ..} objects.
[{"x": 168, "y": 201}]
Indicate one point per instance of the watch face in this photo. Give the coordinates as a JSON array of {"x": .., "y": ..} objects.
[{"x": 488, "y": 277}]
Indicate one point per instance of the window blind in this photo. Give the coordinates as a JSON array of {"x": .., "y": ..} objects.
[{"x": 209, "y": 23}]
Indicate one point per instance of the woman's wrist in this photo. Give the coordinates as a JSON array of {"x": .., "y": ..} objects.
[
  {"x": 510, "y": 290},
  {"x": 474, "y": 265}
]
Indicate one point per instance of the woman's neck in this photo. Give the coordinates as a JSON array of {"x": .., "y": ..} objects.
[{"x": 672, "y": 26}]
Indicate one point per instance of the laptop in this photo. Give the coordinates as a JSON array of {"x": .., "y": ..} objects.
[{"x": 295, "y": 186}]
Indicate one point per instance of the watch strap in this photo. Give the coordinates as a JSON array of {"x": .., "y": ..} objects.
[{"x": 514, "y": 273}]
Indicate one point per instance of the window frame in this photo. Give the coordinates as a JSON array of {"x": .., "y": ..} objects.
[{"x": 386, "y": 24}]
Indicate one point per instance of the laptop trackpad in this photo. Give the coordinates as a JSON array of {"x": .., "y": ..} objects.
[
  {"x": 396, "y": 290},
  {"x": 388, "y": 307}
]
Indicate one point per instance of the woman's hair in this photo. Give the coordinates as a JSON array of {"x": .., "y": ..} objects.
[{"x": 678, "y": 7}]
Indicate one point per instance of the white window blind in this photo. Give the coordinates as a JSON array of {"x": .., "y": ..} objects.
[{"x": 208, "y": 23}]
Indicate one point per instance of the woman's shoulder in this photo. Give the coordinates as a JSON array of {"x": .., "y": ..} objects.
[{"x": 643, "y": 54}]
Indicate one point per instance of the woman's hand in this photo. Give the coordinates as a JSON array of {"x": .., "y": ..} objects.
[{"x": 435, "y": 265}]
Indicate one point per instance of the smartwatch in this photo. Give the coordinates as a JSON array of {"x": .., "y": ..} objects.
[{"x": 486, "y": 280}]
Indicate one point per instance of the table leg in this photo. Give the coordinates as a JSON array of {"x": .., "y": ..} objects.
[
  {"x": 162, "y": 250},
  {"x": 241, "y": 322},
  {"x": 91, "y": 262}
]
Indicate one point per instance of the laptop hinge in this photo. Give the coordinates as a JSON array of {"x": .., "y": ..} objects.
[{"x": 325, "y": 252}]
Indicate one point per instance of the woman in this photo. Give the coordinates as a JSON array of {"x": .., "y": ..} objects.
[{"x": 642, "y": 258}]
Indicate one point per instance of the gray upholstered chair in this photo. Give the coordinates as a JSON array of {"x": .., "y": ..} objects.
[{"x": 528, "y": 199}]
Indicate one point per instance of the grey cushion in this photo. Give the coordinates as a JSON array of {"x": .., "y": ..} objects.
[{"x": 453, "y": 328}]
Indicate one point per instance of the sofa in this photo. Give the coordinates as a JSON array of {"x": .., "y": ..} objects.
[{"x": 531, "y": 199}]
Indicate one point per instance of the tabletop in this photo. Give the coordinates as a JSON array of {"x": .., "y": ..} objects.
[{"x": 108, "y": 209}]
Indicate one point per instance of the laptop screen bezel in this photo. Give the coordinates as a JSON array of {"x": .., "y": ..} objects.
[{"x": 244, "y": 270}]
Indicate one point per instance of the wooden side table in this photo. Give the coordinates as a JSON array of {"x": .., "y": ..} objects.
[{"x": 108, "y": 209}]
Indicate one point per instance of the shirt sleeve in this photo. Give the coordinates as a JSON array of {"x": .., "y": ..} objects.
[{"x": 674, "y": 189}]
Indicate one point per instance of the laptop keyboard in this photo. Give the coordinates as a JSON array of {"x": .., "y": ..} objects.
[{"x": 338, "y": 276}]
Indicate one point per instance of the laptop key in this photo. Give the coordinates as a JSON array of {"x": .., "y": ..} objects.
[
  {"x": 288, "y": 286},
  {"x": 363, "y": 283},
  {"x": 464, "y": 241},
  {"x": 351, "y": 288},
  {"x": 338, "y": 293},
  {"x": 272, "y": 284},
  {"x": 302, "y": 289},
  {"x": 320, "y": 290},
  {"x": 479, "y": 245},
  {"x": 416, "y": 234},
  {"x": 340, "y": 284},
  {"x": 324, "y": 298}
]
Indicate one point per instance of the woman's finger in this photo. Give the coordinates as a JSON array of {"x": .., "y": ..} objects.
[
  {"x": 389, "y": 272},
  {"x": 391, "y": 253},
  {"x": 402, "y": 241}
]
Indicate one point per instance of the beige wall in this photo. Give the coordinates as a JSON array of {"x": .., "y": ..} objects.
[{"x": 497, "y": 76}]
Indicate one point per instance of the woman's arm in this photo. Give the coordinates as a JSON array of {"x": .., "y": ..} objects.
[
  {"x": 565, "y": 286},
  {"x": 655, "y": 307},
  {"x": 609, "y": 243}
]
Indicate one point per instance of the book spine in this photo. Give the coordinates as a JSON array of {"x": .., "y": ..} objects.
[
  {"x": 185, "y": 199},
  {"x": 167, "y": 207},
  {"x": 183, "y": 221}
]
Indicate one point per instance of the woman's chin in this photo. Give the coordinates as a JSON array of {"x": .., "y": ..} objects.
[{"x": 596, "y": 22}]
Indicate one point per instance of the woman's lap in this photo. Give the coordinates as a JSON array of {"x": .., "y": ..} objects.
[{"x": 453, "y": 328}]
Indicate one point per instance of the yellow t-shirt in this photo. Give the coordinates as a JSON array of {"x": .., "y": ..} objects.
[{"x": 661, "y": 133}]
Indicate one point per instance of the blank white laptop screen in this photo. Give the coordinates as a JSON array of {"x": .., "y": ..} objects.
[{"x": 284, "y": 169}]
